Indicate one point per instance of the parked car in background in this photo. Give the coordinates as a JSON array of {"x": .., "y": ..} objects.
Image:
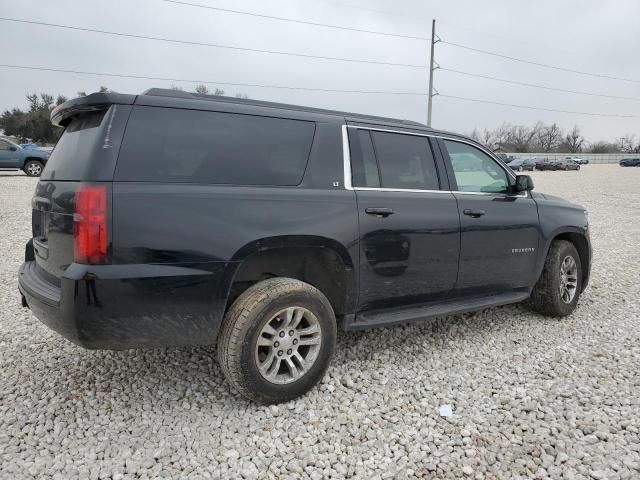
[
  {"x": 256, "y": 225},
  {"x": 546, "y": 164},
  {"x": 30, "y": 160},
  {"x": 505, "y": 158},
  {"x": 630, "y": 162},
  {"x": 520, "y": 164},
  {"x": 578, "y": 160},
  {"x": 566, "y": 164}
]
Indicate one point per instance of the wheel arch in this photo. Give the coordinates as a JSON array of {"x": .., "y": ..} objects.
[
  {"x": 579, "y": 239},
  {"x": 322, "y": 262},
  {"x": 37, "y": 159}
]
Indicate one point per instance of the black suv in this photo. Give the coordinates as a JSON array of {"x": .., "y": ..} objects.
[{"x": 171, "y": 218}]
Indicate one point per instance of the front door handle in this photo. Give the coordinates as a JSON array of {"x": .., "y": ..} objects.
[
  {"x": 379, "y": 211},
  {"x": 473, "y": 212}
]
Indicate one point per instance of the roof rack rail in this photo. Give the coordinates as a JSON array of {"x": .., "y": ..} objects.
[{"x": 165, "y": 92}]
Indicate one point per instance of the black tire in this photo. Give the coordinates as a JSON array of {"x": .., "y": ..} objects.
[
  {"x": 243, "y": 324},
  {"x": 546, "y": 298},
  {"x": 33, "y": 168}
]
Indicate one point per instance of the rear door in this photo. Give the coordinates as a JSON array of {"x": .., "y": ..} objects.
[
  {"x": 409, "y": 226},
  {"x": 500, "y": 233}
]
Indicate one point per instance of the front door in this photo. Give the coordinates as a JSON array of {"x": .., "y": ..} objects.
[
  {"x": 409, "y": 227},
  {"x": 8, "y": 155},
  {"x": 500, "y": 234}
]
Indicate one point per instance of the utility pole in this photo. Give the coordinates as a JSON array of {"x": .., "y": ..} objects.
[{"x": 431, "y": 69}]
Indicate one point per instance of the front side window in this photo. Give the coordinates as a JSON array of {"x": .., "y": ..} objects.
[
  {"x": 475, "y": 171},
  {"x": 405, "y": 161}
]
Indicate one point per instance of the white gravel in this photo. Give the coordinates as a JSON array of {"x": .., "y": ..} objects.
[{"x": 532, "y": 397}]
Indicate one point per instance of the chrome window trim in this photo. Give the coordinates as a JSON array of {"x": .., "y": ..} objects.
[
  {"x": 409, "y": 190},
  {"x": 346, "y": 155},
  {"x": 346, "y": 158},
  {"x": 436, "y": 135},
  {"x": 500, "y": 194}
]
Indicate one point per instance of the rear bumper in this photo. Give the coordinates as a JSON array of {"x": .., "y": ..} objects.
[{"x": 130, "y": 306}]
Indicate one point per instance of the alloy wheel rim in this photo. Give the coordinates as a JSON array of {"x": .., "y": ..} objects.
[
  {"x": 288, "y": 345},
  {"x": 568, "y": 279},
  {"x": 34, "y": 169}
]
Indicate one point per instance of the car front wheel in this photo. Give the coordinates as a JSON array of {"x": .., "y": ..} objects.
[
  {"x": 557, "y": 291},
  {"x": 33, "y": 168},
  {"x": 277, "y": 340}
]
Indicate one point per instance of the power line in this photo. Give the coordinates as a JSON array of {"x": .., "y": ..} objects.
[
  {"x": 545, "y": 65},
  {"x": 544, "y": 87},
  {"x": 210, "y": 82},
  {"x": 292, "y": 20},
  {"x": 201, "y": 44},
  {"x": 528, "y": 107},
  {"x": 511, "y": 39}
]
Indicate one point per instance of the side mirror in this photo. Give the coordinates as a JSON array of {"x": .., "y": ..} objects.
[
  {"x": 524, "y": 183},
  {"x": 12, "y": 148}
]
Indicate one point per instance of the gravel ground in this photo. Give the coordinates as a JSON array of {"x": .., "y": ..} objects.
[{"x": 532, "y": 397}]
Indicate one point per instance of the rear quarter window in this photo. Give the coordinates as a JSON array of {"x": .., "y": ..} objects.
[
  {"x": 191, "y": 146},
  {"x": 74, "y": 151}
]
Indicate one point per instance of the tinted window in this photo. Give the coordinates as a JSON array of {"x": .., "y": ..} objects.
[
  {"x": 475, "y": 171},
  {"x": 73, "y": 152},
  {"x": 364, "y": 166},
  {"x": 191, "y": 146},
  {"x": 405, "y": 161}
]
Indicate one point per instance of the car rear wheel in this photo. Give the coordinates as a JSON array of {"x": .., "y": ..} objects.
[
  {"x": 558, "y": 289},
  {"x": 33, "y": 168},
  {"x": 277, "y": 340}
]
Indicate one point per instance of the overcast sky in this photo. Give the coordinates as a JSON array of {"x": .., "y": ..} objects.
[{"x": 585, "y": 35}]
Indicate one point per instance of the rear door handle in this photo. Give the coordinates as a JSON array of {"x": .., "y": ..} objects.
[
  {"x": 473, "y": 212},
  {"x": 379, "y": 211}
]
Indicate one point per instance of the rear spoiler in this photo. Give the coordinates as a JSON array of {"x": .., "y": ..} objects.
[{"x": 62, "y": 114}]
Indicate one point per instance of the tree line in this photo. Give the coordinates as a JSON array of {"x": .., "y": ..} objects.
[
  {"x": 33, "y": 124},
  {"x": 549, "y": 138}
]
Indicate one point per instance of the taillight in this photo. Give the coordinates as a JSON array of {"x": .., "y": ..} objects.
[{"x": 90, "y": 224}]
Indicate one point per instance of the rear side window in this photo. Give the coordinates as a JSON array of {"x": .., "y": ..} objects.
[
  {"x": 405, "y": 161},
  {"x": 363, "y": 166},
  {"x": 74, "y": 150},
  {"x": 192, "y": 146}
]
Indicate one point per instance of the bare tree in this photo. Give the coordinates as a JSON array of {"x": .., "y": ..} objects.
[
  {"x": 521, "y": 138},
  {"x": 627, "y": 143},
  {"x": 475, "y": 135},
  {"x": 201, "y": 90},
  {"x": 573, "y": 141},
  {"x": 548, "y": 136},
  {"x": 501, "y": 135},
  {"x": 603, "y": 147}
]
